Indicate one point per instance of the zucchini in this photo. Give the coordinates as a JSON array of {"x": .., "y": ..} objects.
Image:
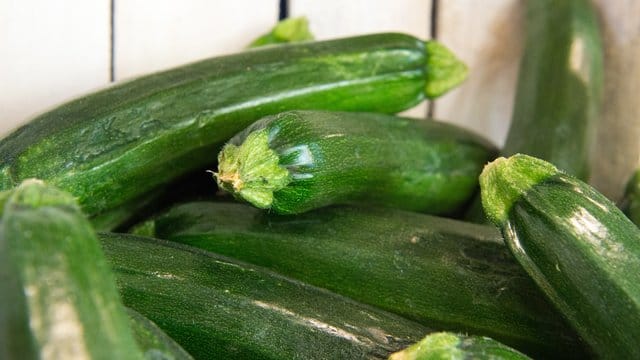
[
  {"x": 112, "y": 147},
  {"x": 297, "y": 161},
  {"x": 155, "y": 344},
  {"x": 559, "y": 91},
  {"x": 576, "y": 245},
  {"x": 451, "y": 346},
  {"x": 218, "y": 308},
  {"x": 631, "y": 200},
  {"x": 445, "y": 274},
  {"x": 58, "y": 298}
]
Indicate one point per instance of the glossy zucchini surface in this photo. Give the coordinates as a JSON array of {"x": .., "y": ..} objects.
[
  {"x": 215, "y": 307},
  {"x": 297, "y": 161},
  {"x": 111, "y": 147},
  {"x": 443, "y": 273},
  {"x": 580, "y": 249}
]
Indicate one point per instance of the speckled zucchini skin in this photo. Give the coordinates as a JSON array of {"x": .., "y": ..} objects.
[
  {"x": 580, "y": 249},
  {"x": 353, "y": 157},
  {"x": 440, "y": 272},
  {"x": 218, "y": 308}
]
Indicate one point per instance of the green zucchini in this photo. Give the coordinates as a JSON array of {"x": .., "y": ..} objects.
[
  {"x": 631, "y": 201},
  {"x": 286, "y": 31},
  {"x": 443, "y": 273},
  {"x": 576, "y": 245},
  {"x": 559, "y": 92},
  {"x": 297, "y": 161},
  {"x": 218, "y": 308},
  {"x": 155, "y": 343},
  {"x": 112, "y": 147},
  {"x": 58, "y": 298},
  {"x": 451, "y": 346}
]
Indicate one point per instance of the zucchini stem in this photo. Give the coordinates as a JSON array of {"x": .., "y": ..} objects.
[
  {"x": 505, "y": 180},
  {"x": 444, "y": 70},
  {"x": 251, "y": 171}
]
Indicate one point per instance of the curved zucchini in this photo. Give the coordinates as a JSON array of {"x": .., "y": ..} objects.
[
  {"x": 113, "y": 146},
  {"x": 451, "y": 346},
  {"x": 559, "y": 91},
  {"x": 443, "y": 273},
  {"x": 218, "y": 308},
  {"x": 575, "y": 244},
  {"x": 58, "y": 298},
  {"x": 297, "y": 161},
  {"x": 154, "y": 343}
]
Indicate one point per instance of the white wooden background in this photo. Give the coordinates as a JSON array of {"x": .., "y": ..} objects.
[{"x": 53, "y": 51}]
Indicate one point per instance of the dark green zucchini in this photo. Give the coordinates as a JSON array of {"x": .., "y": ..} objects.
[
  {"x": 154, "y": 343},
  {"x": 113, "y": 146},
  {"x": 451, "y": 346},
  {"x": 297, "y": 161},
  {"x": 575, "y": 244},
  {"x": 218, "y": 308},
  {"x": 443, "y": 273},
  {"x": 559, "y": 89},
  {"x": 631, "y": 200},
  {"x": 58, "y": 298}
]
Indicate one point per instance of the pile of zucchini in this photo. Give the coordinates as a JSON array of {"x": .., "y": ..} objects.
[{"x": 336, "y": 230}]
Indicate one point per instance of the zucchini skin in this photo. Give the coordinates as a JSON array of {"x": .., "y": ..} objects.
[
  {"x": 445, "y": 345},
  {"x": 347, "y": 157},
  {"x": 578, "y": 247},
  {"x": 218, "y": 308},
  {"x": 446, "y": 274},
  {"x": 113, "y": 146},
  {"x": 560, "y": 84},
  {"x": 154, "y": 343},
  {"x": 58, "y": 298}
]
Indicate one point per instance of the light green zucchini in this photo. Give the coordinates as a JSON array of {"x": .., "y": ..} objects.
[{"x": 58, "y": 298}]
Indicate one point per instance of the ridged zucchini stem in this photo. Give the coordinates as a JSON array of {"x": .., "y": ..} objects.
[
  {"x": 251, "y": 171},
  {"x": 504, "y": 180},
  {"x": 437, "y": 346},
  {"x": 444, "y": 70},
  {"x": 446, "y": 345}
]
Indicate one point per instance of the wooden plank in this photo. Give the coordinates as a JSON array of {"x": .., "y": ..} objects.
[
  {"x": 151, "y": 35},
  {"x": 617, "y": 151},
  {"x": 487, "y": 36},
  {"x": 51, "y": 52},
  {"x": 334, "y": 18}
]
